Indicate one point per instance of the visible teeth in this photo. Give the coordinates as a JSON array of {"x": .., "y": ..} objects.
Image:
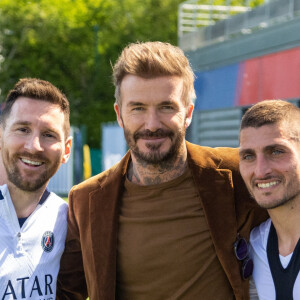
[
  {"x": 30, "y": 162},
  {"x": 266, "y": 185}
]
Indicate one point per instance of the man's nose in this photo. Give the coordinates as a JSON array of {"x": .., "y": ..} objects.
[
  {"x": 33, "y": 144},
  {"x": 262, "y": 167},
  {"x": 152, "y": 120}
]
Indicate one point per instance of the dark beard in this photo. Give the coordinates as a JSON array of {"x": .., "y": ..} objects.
[{"x": 155, "y": 157}]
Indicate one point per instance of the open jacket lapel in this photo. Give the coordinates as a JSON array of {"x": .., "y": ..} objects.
[
  {"x": 216, "y": 192},
  {"x": 103, "y": 215}
]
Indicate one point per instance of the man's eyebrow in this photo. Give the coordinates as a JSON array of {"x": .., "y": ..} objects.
[
  {"x": 273, "y": 146},
  {"x": 135, "y": 103},
  {"x": 21, "y": 123},
  {"x": 167, "y": 102},
  {"x": 246, "y": 150},
  {"x": 266, "y": 148}
]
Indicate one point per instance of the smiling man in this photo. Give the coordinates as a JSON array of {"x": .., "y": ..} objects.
[
  {"x": 34, "y": 141},
  {"x": 162, "y": 223},
  {"x": 270, "y": 166}
]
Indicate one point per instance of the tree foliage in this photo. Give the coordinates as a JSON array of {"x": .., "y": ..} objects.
[{"x": 72, "y": 43}]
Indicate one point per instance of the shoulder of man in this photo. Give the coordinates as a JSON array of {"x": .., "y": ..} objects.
[
  {"x": 96, "y": 182},
  {"x": 219, "y": 158}
]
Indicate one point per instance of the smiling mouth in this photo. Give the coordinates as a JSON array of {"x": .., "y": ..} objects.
[
  {"x": 153, "y": 138},
  {"x": 267, "y": 184},
  {"x": 31, "y": 162}
]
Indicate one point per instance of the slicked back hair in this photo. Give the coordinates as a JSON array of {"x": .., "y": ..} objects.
[
  {"x": 39, "y": 90},
  {"x": 154, "y": 59}
]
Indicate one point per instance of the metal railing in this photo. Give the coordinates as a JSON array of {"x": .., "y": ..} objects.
[
  {"x": 263, "y": 16},
  {"x": 216, "y": 127},
  {"x": 192, "y": 15}
]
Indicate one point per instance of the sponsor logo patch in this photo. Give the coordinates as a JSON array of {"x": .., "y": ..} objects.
[{"x": 48, "y": 241}]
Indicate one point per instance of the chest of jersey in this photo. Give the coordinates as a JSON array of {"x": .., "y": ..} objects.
[{"x": 30, "y": 255}]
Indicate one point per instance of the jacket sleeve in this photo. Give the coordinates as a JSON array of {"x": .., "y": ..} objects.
[{"x": 71, "y": 283}]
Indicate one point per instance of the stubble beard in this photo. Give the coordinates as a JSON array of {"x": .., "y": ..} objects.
[
  {"x": 14, "y": 174},
  {"x": 292, "y": 192}
]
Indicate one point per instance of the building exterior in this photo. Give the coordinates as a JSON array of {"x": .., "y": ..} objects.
[{"x": 238, "y": 61}]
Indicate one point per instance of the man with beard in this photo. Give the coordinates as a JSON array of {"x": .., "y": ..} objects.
[
  {"x": 270, "y": 167},
  {"x": 162, "y": 223},
  {"x": 34, "y": 141}
]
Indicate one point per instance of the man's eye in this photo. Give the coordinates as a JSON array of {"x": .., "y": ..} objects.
[
  {"x": 277, "y": 152},
  {"x": 23, "y": 129},
  {"x": 139, "y": 108},
  {"x": 167, "y": 107},
  {"x": 247, "y": 156},
  {"x": 49, "y": 135}
]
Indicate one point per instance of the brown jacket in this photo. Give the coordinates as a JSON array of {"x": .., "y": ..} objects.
[{"x": 88, "y": 265}]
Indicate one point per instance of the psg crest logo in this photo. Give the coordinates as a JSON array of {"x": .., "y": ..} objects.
[{"x": 48, "y": 241}]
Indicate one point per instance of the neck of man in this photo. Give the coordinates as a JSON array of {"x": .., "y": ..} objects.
[
  {"x": 287, "y": 224},
  {"x": 25, "y": 202},
  {"x": 150, "y": 174}
]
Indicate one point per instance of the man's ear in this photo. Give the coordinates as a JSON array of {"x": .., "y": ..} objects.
[
  {"x": 67, "y": 153},
  {"x": 118, "y": 113},
  {"x": 189, "y": 115}
]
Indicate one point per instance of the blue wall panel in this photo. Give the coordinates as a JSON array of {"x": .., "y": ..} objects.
[{"x": 216, "y": 88}]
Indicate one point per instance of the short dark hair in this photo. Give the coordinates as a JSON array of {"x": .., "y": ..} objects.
[
  {"x": 40, "y": 90},
  {"x": 270, "y": 112}
]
